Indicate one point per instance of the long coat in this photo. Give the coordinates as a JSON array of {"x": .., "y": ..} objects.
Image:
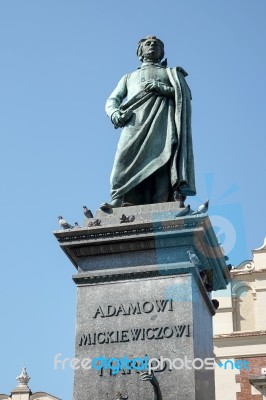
[{"x": 157, "y": 134}]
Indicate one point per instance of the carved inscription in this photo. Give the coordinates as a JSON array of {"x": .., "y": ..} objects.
[
  {"x": 144, "y": 307},
  {"x": 135, "y": 334}
]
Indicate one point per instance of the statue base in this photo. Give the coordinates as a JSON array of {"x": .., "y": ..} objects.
[{"x": 140, "y": 298}]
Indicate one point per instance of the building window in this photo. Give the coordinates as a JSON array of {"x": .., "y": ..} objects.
[{"x": 244, "y": 309}]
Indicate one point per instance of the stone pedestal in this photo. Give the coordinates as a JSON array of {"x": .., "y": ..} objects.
[{"x": 139, "y": 295}]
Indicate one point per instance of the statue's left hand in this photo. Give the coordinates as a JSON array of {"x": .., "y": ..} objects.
[
  {"x": 159, "y": 87},
  {"x": 153, "y": 86}
]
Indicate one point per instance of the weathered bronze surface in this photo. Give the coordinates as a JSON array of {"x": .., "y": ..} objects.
[{"x": 154, "y": 159}]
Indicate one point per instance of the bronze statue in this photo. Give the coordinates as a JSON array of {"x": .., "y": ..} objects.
[
  {"x": 145, "y": 376},
  {"x": 154, "y": 159}
]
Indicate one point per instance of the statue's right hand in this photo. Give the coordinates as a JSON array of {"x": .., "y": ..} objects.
[{"x": 116, "y": 119}]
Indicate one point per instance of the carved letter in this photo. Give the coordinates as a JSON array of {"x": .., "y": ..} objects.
[
  {"x": 147, "y": 333},
  {"x": 149, "y": 308},
  {"x": 110, "y": 313},
  {"x": 98, "y": 338},
  {"x": 108, "y": 337},
  {"x": 124, "y": 336},
  {"x": 83, "y": 340},
  {"x": 171, "y": 305},
  {"x": 120, "y": 309},
  {"x": 159, "y": 335},
  {"x": 180, "y": 330},
  {"x": 188, "y": 332},
  {"x": 135, "y": 333},
  {"x": 94, "y": 338},
  {"x": 133, "y": 309},
  {"x": 161, "y": 304},
  {"x": 169, "y": 334},
  {"x": 99, "y": 311}
]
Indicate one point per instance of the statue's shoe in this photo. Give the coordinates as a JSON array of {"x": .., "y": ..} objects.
[
  {"x": 127, "y": 205},
  {"x": 113, "y": 204},
  {"x": 105, "y": 206}
]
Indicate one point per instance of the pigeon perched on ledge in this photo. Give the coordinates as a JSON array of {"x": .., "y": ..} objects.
[
  {"x": 215, "y": 304},
  {"x": 76, "y": 226},
  {"x": 183, "y": 212},
  {"x": 63, "y": 223},
  {"x": 127, "y": 218},
  {"x": 193, "y": 258},
  {"x": 95, "y": 222},
  {"x": 180, "y": 197},
  {"x": 203, "y": 208},
  {"x": 88, "y": 214},
  {"x": 230, "y": 267}
]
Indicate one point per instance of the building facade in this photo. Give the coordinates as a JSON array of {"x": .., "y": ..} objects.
[
  {"x": 23, "y": 392},
  {"x": 240, "y": 332}
]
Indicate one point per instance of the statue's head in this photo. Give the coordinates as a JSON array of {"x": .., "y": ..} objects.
[{"x": 150, "y": 48}]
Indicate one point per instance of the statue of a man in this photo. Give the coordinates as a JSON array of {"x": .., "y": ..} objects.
[{"x": 154, "y": 159}]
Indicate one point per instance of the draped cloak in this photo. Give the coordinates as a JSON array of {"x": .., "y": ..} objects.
[{"x": 157, "y": 134}]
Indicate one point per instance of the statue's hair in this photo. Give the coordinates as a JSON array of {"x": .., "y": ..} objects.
[{"x": 140, "y": 47}]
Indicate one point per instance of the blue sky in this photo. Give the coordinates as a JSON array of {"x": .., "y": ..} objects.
[{"x": 60, "y": 59}]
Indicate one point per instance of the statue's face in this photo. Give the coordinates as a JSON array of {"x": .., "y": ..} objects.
[{"x": 151, "y": 50}]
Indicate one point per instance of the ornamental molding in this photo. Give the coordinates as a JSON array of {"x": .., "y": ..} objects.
[
  {"x": 131, "y": 246},
  {"x": 244, "y": 267},
  {"x": 262, "y": 248},
  {"x": 158, "y": 273},
  {"x": 110, "y": 232}
]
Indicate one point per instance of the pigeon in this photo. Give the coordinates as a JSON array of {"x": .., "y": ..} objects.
[
  {"x": 229, "y": 266},
  {"x": 202, "y": 209},
  {"x": 193, "y": 257},
  {"x": 215, "y": 304},
  {"x": 63, "y": 223},
  {"x": 87, "y": 212},
  {"x": 204, "y": 277},
  {"x": 95, "y": 222},
  {"x": 125, "y": 218},
  {"x": 205, "y": 281},
  {"x": 183, "y": 212},
  {"x": 180, "y": 197},
  {"x": 76, "y": 225}
]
